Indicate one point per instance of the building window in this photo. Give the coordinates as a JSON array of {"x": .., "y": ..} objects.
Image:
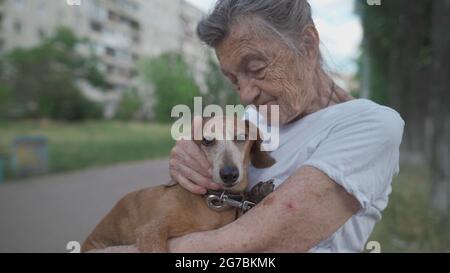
[
  {"x": 113, "y": 16},
  {"x": 133, "y": 73},
  {"x": 134, "y": 25},
  {"x": 96, "y": 26},
  {"x": 40, "y": 33},
  {"x": 110, "y": 69},
  {"x": 110, "y": 51},
  {"x": 17, "y": 27}
]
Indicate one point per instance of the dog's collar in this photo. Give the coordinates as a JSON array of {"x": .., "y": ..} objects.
[
  {"x": 234, "y": 196},
  {"x": 223, "y": 200}
]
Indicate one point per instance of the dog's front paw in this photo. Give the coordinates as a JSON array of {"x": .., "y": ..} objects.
[
  {"x": 261, "y": 190},
  {"x": 267, "y": 187}
]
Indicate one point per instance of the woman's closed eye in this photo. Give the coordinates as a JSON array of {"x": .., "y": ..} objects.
[{"x": 256, "y": 68}]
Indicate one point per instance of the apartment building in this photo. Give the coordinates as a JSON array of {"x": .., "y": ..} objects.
[{"x": 122, "y": 31}]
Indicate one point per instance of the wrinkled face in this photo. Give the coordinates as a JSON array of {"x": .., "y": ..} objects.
[
  {"x": 265, "y": 71},
  {"x": 228, "y": 149}
]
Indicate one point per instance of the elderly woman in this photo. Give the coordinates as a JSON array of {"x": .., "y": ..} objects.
[{"x": 337, "y": 155}]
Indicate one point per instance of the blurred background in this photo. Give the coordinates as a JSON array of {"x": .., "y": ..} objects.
[{"x": 86, "y": 90}]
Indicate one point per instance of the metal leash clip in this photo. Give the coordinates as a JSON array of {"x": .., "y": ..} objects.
[
  {"x": 246, "y": 205},
  {"x": 216, "y": 203},
  {"x": 224, "y": 202}
]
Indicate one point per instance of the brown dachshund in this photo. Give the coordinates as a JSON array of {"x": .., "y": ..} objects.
[{"x": 150, "y": 216}]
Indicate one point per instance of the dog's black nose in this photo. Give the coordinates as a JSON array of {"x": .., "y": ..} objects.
[{"x": 229, "y": 174}]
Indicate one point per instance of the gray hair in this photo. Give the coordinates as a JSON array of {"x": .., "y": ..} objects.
[{"x": 285, "y": 18}]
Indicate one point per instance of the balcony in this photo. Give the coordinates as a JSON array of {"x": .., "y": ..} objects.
[
  {"x": 120, "y": 19},
  {"x": 127, "y": 8}
]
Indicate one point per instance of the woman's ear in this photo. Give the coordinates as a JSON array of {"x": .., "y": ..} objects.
[
  {"x": 260, "y": 159},
  {"x": 311, "y": 41}
]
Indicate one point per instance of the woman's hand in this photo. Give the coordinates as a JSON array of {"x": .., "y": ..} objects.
[{"x": 189, "y": 166}]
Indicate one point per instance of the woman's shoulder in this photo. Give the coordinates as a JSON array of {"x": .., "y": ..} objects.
[
  {"x": 366, "y": 118},
  {"x": 362, "y": 110}
]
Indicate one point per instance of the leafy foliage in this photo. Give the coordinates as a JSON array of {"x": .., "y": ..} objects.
[
  {"x": 130, "y": 104},
  {"x": 173, "y": 83},
  {"x": 43, "y": 80},
  {"x": 220, "y": 90},
  {"x": 391, "y": 32},
  {"x": 378, "y": 39}
]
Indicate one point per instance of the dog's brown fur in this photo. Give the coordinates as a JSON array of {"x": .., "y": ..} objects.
[{"x": 151, "y": 216}]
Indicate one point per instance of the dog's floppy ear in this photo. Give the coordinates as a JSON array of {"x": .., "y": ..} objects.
[{"x": 260, "y": 159}]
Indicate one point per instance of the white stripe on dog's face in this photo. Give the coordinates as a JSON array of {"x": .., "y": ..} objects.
[{"x": 225, "y": 151}]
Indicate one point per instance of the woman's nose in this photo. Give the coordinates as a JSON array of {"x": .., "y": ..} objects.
[{"x": 248, "y": 92}]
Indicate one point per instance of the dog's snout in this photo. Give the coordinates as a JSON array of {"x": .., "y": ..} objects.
[{"x": 229, "y": 174}]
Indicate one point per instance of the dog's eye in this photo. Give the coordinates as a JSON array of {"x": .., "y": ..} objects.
[{"x": 208, "y": 141}]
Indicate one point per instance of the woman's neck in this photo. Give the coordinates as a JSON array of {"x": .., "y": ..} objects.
[{"x": 327, "y": 93}]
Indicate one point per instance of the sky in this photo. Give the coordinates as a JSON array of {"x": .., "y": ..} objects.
[{"x": 339, "y": 28}]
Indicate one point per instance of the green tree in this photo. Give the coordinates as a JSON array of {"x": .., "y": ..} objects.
[
  {"x": 172, "y": 81},
  {"x": 408, "y": 44},
  {"x": 397, "y": 44},
  {"x": 5, "y": 95},
  {"x": 129, "y": 105},
  {"x": 220, "y": 90},
  {"x": 43, "y": 79}
]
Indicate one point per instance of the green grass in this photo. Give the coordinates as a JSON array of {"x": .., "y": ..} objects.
[
  {"x": 409, "y": 224},
  {"x": 97, "y": 143}
]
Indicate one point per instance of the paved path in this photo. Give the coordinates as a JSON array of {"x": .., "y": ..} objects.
[{"x": 43, "y": 214}]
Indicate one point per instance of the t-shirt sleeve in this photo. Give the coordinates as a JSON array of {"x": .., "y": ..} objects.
[{"x": 362, "y": 153}]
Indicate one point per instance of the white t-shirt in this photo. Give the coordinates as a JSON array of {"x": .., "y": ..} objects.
[{"x": 356, "y": 144}]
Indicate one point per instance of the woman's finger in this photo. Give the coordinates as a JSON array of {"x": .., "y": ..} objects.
[
  {"x": 188, "y": 185},
  {"x": 179, "y": 157},
  {"x": 193, "y": 157},
  {"x": 197, "y": 178}
]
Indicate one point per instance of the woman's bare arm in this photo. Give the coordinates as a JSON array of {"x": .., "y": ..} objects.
[{"x": 305, "y": 210}]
